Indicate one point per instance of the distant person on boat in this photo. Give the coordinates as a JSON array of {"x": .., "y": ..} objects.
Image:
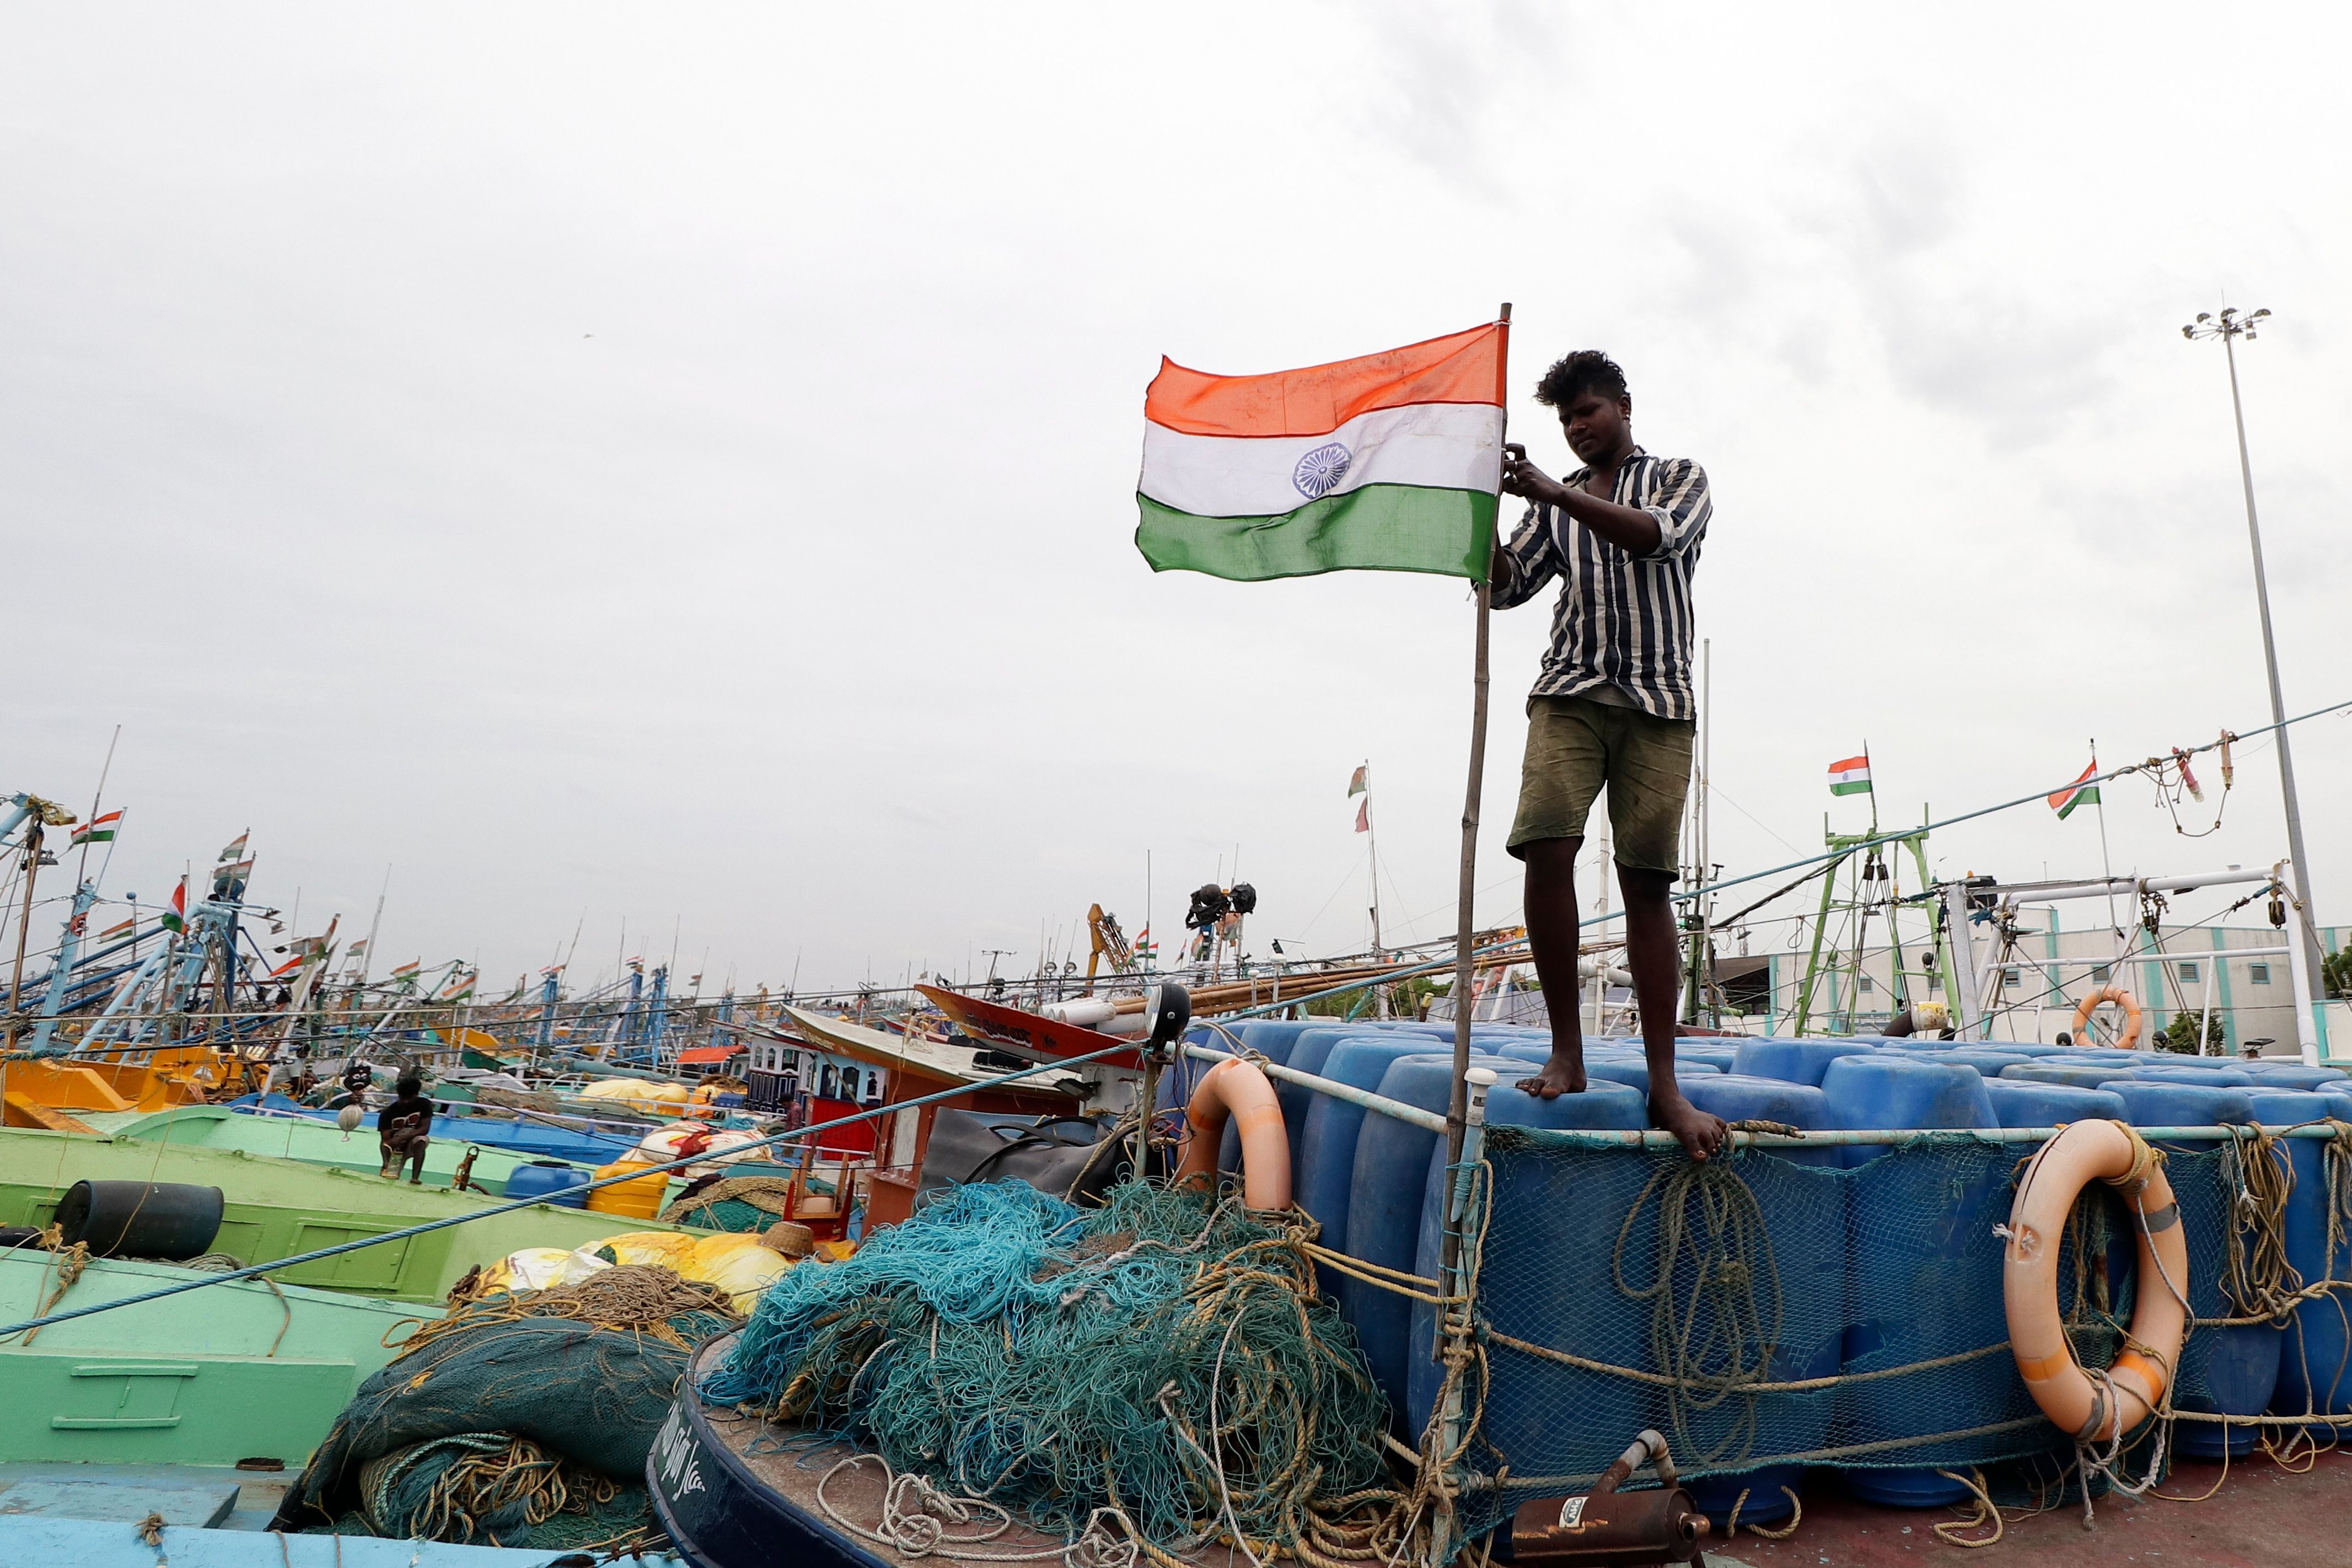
[
  {"x": 1614, "y": 705},
  {"x": 403, "y": 1129}
]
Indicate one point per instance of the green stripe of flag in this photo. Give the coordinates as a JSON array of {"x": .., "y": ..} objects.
[
  {"x": 1379, "y": 527},
  {"x": 1853, "y": 786},
  {"x": 2087, "y": 795}
]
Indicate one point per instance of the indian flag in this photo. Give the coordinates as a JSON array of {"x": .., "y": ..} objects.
[
  {"x": 1391, "y": 462},
  {"x": 99, "y": 829},
  {"x": 175, "y": 913},
  {"x": 2081, "y": 792},
  {"x": 1851, "y": 776},
  {"x": 407, "y": 970}
]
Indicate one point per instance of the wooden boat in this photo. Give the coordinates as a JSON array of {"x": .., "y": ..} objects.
[
  {"x": 278, "y": 1208},
  {"x": 238, "y": 1371},
  {"x": 929, "y": 1067},
  {"x": 918, "y": 1068}
]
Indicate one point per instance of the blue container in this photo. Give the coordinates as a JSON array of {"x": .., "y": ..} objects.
[
  {"x": 2068, "y": 1074},
  {"x": 1273, "y": 1037},
  {"x": 2291, "y": 1074},
  {"x": 1803, "y": 1206},
  {"x": 1384, "y": 1201},
  {"x": 2203, "y": 1077},
  {"x": 1721, "y": 1058},
  {"x": 2315, "y": 1352},
  {"x": 2025, "y": 1102},
  {"x": 1326, "y": 1162},
  {"x": 2235, "y": 1369},
  {"x": 1555, "y": 1222},
  {"x": 1988, "y": 1062},
  {"x": 1799, "y": 1061},
  {"x": 1920, "y": 1293},
  {"x": 1305, "y": 1051},
  {"x": 550, "y": 1181}
]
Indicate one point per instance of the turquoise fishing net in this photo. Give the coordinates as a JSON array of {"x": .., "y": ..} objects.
[{"x": 1164, "y": 1354}]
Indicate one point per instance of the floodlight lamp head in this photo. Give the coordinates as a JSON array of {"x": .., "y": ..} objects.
[
  {"x": 2203, "y": 316},
  {"x": 2189, "y": 333},
  {"x": 1167, "y": 1007},
  {"x": 2258, "y": 315}
]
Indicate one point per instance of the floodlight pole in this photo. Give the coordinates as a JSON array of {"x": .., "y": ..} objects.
[{"x": 2228, "y": 327}]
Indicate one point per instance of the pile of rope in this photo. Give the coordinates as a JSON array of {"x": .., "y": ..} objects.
[
  {"x": 1159, "y": 1370},
  {"x": 485, "y": 1488},
  {"x": 629, "y": 1297}
]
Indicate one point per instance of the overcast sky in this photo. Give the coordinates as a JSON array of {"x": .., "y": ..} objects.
[{"x": 676, "y": 465}]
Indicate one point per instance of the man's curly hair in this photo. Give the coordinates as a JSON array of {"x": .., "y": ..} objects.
[{"x": 1572, "y": 375}]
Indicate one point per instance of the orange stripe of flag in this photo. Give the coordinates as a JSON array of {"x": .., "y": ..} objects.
[
  {"x": 2064, "y": 796},
  {"x": 1850, "y": 763},
  {"x": 1465, "y": 368}
]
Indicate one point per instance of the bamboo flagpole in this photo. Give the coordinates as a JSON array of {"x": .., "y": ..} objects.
[{"x": 1457, "y": 1107}]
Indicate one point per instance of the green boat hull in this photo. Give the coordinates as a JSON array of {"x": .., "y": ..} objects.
[
  {"x": 312, "y": 1143},
  {"x": 234, "y": 1371},
  {"x": 279, "y": 1208}
]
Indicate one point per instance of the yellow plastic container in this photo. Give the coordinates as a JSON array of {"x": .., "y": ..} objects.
[{"x": 640, "y": 1199}]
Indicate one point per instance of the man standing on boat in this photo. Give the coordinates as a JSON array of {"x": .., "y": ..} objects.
[{"x": 1612, "y": 706}]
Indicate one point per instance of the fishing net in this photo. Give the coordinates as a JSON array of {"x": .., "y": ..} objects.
[
  {"x": 1162, "y": 1363},
  {"x": 518, "y": 1419},
  {"x": 1845, "y": 1308},
  {"x": 731, "y": 1203}
]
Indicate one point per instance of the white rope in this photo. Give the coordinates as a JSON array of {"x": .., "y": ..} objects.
[{"x": 916, "y": 1516}]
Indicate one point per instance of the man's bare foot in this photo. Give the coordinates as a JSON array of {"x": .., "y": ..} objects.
[
  {"x": 1563, "y": 1074},
  {"x": 1700, "y": 1132}
]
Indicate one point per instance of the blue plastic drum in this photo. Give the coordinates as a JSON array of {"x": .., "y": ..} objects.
[
  {"x": 2315, "y": 1373},
  {"x": 1547, "y": 1280},
  {"x": 1803, "y": 1207},
  {"x": 1326, "y": 1163},
  {"x": 1927, "y": 1273},
  {"x": 1799, "y": 1061},
  {"x": 1384, "y": 1203},
  {"x": 2235, "y": 1371}
]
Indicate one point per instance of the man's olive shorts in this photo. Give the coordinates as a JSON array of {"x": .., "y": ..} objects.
[{"x": 1574, "y": 746}]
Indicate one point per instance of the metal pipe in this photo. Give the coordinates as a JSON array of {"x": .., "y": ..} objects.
[{"x": 1411, "y": 1115}]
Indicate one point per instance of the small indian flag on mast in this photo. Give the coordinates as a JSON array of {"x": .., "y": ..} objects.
[
  {"x": 2081, "y": 792},
  {"x": 1388, "y": 463},
  {"x": 1851, "y": 775},
  {"x": 97, "y": 829}
]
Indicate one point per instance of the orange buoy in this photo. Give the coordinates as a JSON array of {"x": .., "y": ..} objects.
[
  {"x": 1237, "y": 1088},
  {"x": 2095, "y": 1410},
  {"x": 2121, "y": 998}
]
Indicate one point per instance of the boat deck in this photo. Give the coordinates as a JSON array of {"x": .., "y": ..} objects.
[
  {"x": 2259, "y": 1516},
  {"x": 735, "y": 1491}
]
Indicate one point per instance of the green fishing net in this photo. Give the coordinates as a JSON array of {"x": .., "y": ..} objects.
[
  {"x": 521, "y": 1419},
  {"x": 1164, "y": 1355}
]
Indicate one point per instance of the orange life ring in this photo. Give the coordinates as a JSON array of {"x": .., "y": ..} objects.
[
  {"x": 2121, "y": 998},
  {"x": 2095, "y": 1410},
  {"x": 1236, "y": 1087}
]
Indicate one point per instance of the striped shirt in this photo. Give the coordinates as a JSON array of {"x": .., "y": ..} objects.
[{"x": 1622, "y": 620}]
